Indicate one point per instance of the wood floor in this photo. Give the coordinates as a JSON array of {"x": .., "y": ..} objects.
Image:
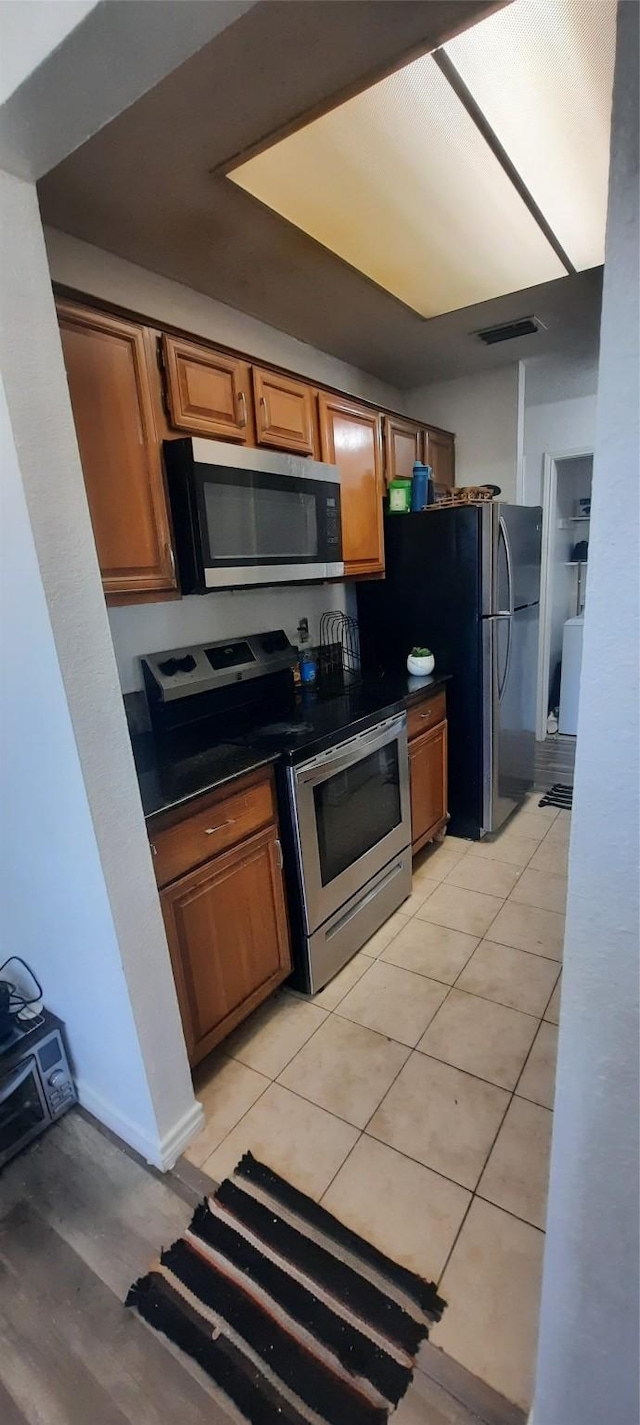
[
  {"x": 79, "y": 1220},
  {"x": 555, "y": 761}
]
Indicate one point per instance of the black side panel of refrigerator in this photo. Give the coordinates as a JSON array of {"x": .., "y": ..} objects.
[{"x": 431, "y": 596}]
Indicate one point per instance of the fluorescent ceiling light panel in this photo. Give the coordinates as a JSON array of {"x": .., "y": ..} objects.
[
  {"x": 541, "y": 71},
  {"x": 400, "y": 183}
]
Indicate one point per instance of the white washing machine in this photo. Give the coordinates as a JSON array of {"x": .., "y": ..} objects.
[{"x": 570, "y": 675}]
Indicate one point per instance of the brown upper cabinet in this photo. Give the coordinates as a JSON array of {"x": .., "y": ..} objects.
[
  {"x": 208, "y": 392},
  {"x": 110, "y": 378},
  {"x": 284, "y": 412},
  {"x": 439, "y": 453},
  {"x": 123, "y": 410},
  {"x": 350, "y": 438},
  {"x": 402, "y": 446}
]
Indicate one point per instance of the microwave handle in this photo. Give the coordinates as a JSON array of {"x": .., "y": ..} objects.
[{"x": 14, "y": 1080}]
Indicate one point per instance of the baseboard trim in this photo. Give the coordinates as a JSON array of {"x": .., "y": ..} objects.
[
  {"x": 175, "y": 1142},
  {"x": 160, "y": 1153}
]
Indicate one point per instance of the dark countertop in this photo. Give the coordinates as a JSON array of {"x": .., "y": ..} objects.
[
  {"x": 172, "y": 771},
  {"x": 170, "y": 774},
  {"x": 409, "y": 690}
]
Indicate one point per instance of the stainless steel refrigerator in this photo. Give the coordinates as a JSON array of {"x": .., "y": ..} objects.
[{"x": 465, "y": 582}]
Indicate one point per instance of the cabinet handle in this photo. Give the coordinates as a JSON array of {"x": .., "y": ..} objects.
[
  {"x": 154, "y": 849},
  {"x": 209, "y": 830},
  {"x": 168, "y": 549},
  {"x": 242, "y": 402},
  {"x": 426, "y": 715},
  {"x": 280, "y": 855},
  {"x": 265, "y": 406}
]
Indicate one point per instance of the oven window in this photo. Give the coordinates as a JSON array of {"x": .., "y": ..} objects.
[
  {"x": 260, "y": 523},
  {"x": 355, "y": 809},
  {"x": 20, "y": 1108}
]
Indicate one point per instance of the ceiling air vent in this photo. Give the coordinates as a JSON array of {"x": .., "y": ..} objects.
[{"x": 508, "y": 331}]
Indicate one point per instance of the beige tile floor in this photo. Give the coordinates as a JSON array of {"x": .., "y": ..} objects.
[{"x": 413, "y": 1096}]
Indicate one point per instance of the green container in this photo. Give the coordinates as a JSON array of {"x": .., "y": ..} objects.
[{"x": 399, "y": 497}]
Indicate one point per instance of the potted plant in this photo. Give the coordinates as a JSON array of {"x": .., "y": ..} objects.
[{"x": 420, "y": 662}]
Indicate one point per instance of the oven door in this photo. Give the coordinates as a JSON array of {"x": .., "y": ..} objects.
[
  {"x": 265, "y": 518},
  {"x": 23, "y": 1107},
  {"x": 351, "y": 814}
]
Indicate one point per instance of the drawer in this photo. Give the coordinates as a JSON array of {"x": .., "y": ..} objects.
[
  {"x": 426, "y": 714},
  {"x": 217, "y": 826}
]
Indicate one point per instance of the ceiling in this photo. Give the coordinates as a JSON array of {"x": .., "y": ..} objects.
[{"x": 149, "y": 187}]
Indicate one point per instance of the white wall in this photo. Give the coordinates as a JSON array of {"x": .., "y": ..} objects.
[
  {"x": 49, "y": 464},
  {"x": 482, "y": 410},
  {"x": 55, "y": 907},
  {"x": 588, "y": 1355},
  {"x": 77, "y": 66},
  {"x": 560, "y": 378},
  {"x": 150, "y": 628},
  {"x": 554, "y": 428},
  {"x": 24, "y": 47},
  {"x": 101, "y": 274}
]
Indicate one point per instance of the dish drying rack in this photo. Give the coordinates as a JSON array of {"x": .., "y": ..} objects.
[{"x": 339, "y": 650}]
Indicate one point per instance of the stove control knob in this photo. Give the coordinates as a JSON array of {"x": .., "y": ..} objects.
[{"x": 56, "y": 1078}]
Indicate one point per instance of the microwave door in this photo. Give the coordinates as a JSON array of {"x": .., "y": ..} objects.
[{"x": 249, "y": 517}]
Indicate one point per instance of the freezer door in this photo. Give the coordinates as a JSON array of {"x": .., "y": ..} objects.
[
  {"x": 511, "y": 541},
  {"x": 510, "y": 653},
  {"x": 519, "y": 544}
]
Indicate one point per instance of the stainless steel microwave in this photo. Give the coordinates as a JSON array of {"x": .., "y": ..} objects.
[{"x": 247, "y": 517}]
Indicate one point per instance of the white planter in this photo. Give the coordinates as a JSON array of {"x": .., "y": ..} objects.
[{"x": 420, "y": 667}]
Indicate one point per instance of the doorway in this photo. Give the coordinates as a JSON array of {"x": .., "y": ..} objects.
[{"x": 565, "y": 551}]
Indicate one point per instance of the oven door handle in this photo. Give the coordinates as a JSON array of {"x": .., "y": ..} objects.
[
  {"x": 326, "y": 764},
  {"x": 14, "y": 1080}
]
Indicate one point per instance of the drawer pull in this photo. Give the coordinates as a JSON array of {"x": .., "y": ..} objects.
[
  {"x": 209, "y": 830},
  {"x": 426, "y": 715}
]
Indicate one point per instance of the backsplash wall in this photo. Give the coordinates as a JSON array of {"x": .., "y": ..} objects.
[{"x": 150, "y": 628}]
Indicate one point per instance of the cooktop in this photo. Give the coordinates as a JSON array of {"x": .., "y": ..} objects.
[
  {"x": 321, "y": 717},
  {"x": 207, "y": 731}
]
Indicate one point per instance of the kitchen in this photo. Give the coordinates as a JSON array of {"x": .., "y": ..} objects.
[
  {"x": 226, "y": 391},
  {"x": 300, "y": 1069}
]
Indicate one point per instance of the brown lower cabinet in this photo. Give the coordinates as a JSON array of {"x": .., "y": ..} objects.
[
  {"x": 227, "y": 928},
  {"x": 428, "y": 772}
]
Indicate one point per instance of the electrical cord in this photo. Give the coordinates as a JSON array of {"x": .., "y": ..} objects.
[{"x": 16, "y": 1000}]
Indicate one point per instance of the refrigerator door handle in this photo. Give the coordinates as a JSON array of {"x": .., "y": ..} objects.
[
  {"x": 507, "y": 555},
  {"x": 507, "y": 661}
]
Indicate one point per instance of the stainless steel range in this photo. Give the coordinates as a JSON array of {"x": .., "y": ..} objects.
[
  {"x": 350, "y": 814},
  {"x": 342, "y": 776}
]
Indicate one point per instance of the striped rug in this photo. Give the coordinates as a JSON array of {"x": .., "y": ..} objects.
[
  {"x": 295, "y": 1318},
  {"x": 559, "y": 796}
]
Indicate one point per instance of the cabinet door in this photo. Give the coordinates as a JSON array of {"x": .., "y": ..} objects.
[
  {"x": 350, "y": 438},
  {"x": 284, "y": 412},
  {"x": 440, "y": 454},
  {"x": 208, "y": 392},
  {"x": 428, "y": 771},
  {"x": 110, "y": 389},
  {"x": 228, "y": 936},
  {"x": 402, "y": 446}
]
